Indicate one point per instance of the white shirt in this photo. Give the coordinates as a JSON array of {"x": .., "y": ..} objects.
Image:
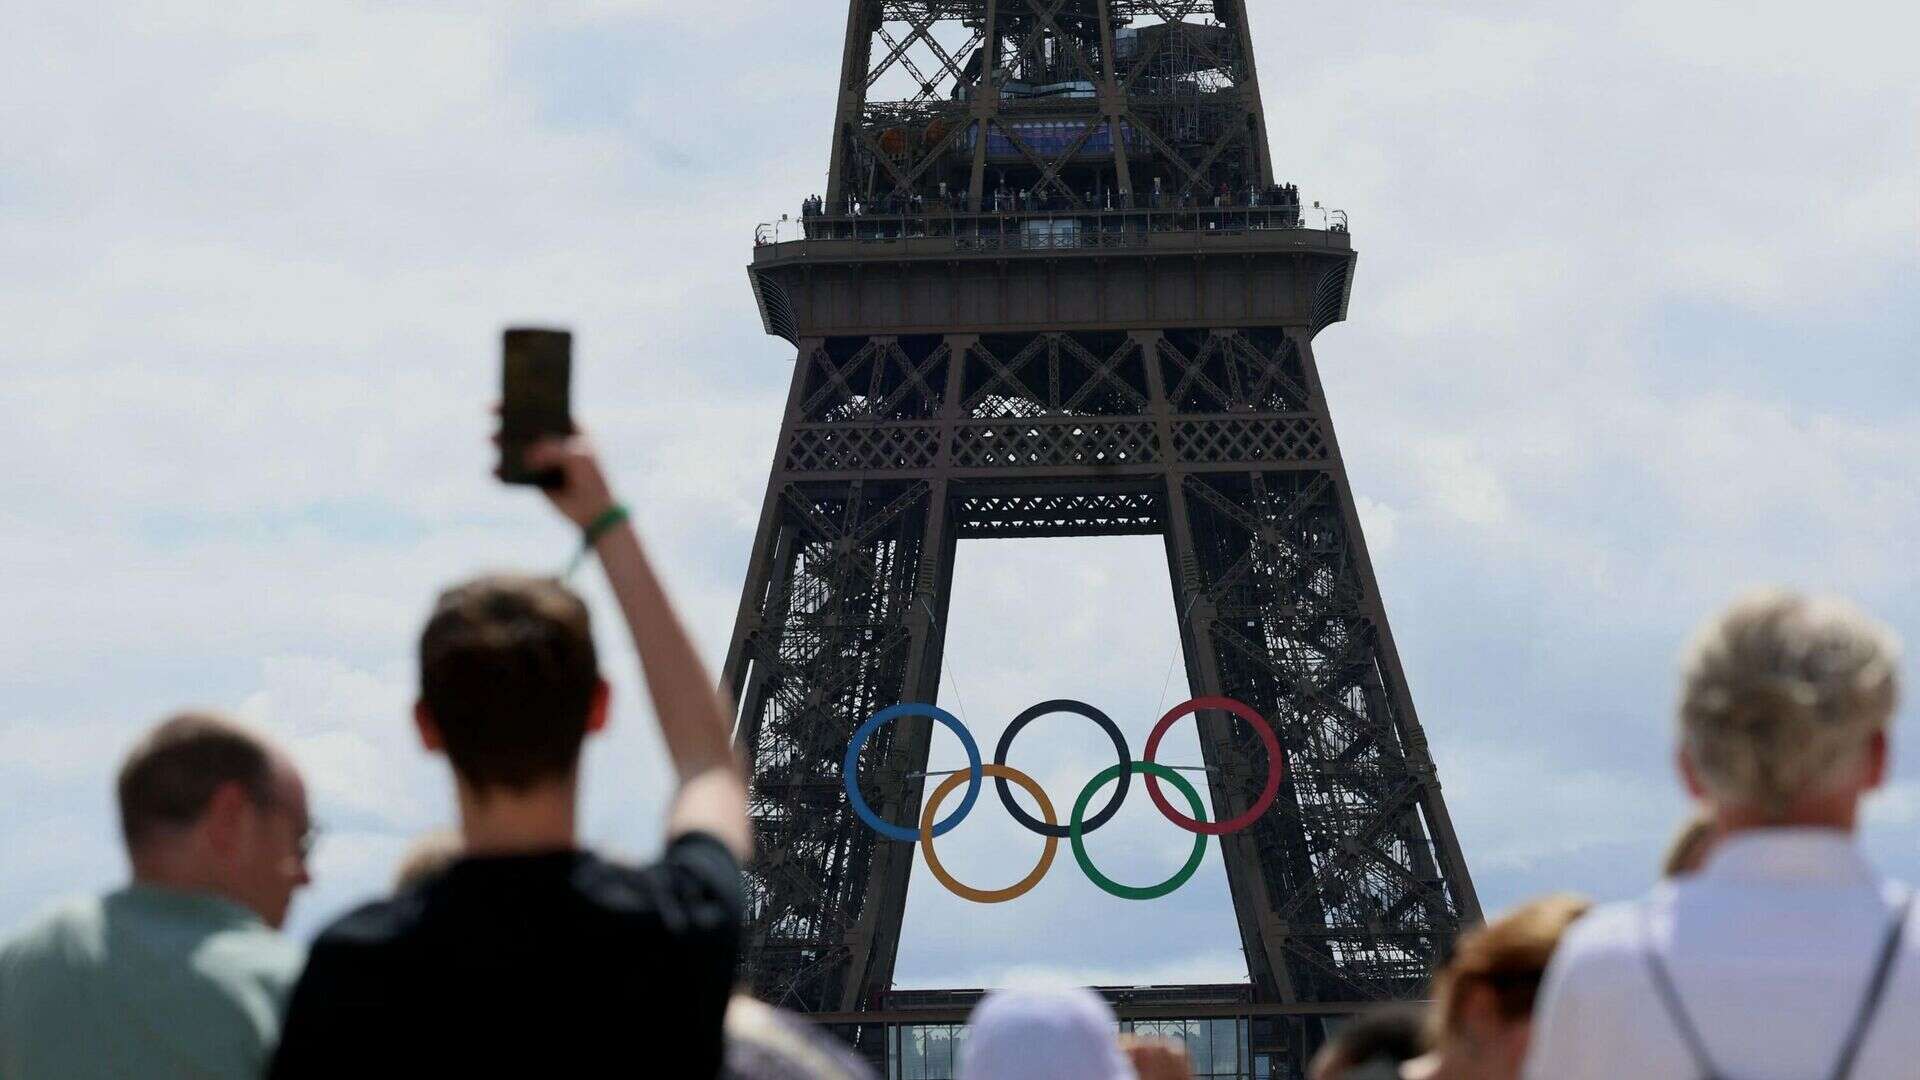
[{"x": 1771, "y": 946}]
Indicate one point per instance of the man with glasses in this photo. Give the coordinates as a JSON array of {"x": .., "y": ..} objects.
[{"x": 181, "y": 972}]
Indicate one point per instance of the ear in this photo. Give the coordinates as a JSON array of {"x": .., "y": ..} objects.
[
  {"x": 1688, "y": 776},
  {"x": 1878, "y": 754},
  {"x": 228, "y": 817},
  {"x": 597, "y": 708},
  {"x": 423, "y": 722}
]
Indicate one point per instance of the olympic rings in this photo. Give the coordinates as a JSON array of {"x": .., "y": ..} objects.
[
  {"x": 1081, "y": 709},
  {"x": 1078, "y": 824},
  {"x": 1001, "y": 775},
  {"x": 1131, "y": 892},
  {"x": 1274, "y": 765},
  {"x": 850, "y": 777}
]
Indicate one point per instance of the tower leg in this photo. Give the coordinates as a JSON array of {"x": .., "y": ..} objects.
[
  {"x": 1393, "y": 684},
  {"x": 1350, "y": 886},
  {"x": 843, "y": 615},
  {"x": 1260, "y": 937},
  {"x": 876, "y": 942}
]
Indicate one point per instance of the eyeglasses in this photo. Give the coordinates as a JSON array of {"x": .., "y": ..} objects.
[
  {"x": 308, "y": 839},
  {"x": 310, "y": 830}
]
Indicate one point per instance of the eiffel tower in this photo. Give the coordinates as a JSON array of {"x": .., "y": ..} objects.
[{"x": 1053, "y": 289}]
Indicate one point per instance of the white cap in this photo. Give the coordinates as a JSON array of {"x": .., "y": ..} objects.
[{"x": 1067, "y": 1034}]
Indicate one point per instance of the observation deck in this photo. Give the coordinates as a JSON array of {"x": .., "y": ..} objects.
[{"x": 938, "y": 270}]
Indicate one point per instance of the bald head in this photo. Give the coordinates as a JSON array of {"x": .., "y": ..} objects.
[
  {"x": 171, "y": 775},
  {"x": 207, "y": 805}
]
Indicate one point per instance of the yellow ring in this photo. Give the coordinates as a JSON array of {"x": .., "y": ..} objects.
[{"x": 967, "y": 892}]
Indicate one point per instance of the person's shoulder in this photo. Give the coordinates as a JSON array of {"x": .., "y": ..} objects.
[
  {"x": 372, "y": 925},
  {"x": 1607, "y": 942},
  {"x": 253, "y": 969},
  {"x": 1613, "y": 925},
  {"x": 1904, "y": 900},
  {"x": 695, "y": 873},
  {"x": 360, "y": 953},
  {"x": 696, "y": 853},
  {"x": 73, "y": 925},
  {"x": 1592, "y": 994},
  {"x": 704, "y": 851},
  {"x": 254, "y": 954},
  {"x": 258, "y": 942}
]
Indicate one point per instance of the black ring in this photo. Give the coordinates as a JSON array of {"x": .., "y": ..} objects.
[{"x": 1078, "y": 708}]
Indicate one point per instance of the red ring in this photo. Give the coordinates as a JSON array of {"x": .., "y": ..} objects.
[{"x": 1275, "y": 763}]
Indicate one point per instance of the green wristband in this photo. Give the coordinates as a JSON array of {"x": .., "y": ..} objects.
[
  {"x": 611, "y": 516},
  {"x": 597, "y": 528}
]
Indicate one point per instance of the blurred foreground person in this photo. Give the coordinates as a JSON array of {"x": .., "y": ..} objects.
[
  {"x": 1155, "y": 1058},
  {"x": 1786, "y": 955},
  {"x": 1372, "y": 1046},
  {"x": 179, "y": 974},
  {"x": 528, "y": 956},
  {"x": 1483, "y": 999},
  {"x": 765, "y": 1043},
  {"x": 1043, "y": 1035},
  {"x": 426, "y": 859}
]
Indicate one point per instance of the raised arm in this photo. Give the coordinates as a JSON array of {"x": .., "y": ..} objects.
[{"x": 694, "y": 719}]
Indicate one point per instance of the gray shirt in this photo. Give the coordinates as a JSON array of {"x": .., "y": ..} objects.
[{"x": 143, "y": 982}]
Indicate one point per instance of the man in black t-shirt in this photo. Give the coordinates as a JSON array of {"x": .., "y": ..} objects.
[{"x": 530, "y": 956}]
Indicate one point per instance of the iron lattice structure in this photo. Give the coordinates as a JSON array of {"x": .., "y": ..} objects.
[
  {"x": 963, "y": 90},
  {"x": 1054, "y": 291}
]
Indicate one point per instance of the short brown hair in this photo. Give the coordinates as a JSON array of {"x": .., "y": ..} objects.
[
  {"x": 508, "y": 672},
  {"x": 1507, "y": 956},
  {"x": 170, "y": 775}
]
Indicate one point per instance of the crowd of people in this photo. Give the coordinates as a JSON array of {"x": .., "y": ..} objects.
[{"x": 1771, "y": 949}]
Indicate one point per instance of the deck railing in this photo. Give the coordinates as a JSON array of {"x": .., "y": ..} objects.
[{"x": 1031, "y": 230}]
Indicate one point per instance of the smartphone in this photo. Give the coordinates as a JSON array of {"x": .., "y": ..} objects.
[{"x": 536, "y": 373}]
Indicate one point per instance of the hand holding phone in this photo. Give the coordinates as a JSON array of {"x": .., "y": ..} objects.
[
  {"x": 582, "y": 494},
  {"x": 536, "y": 374}
]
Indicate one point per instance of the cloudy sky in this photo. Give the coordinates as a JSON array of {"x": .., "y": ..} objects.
[{"x": 1634, "y": 327}]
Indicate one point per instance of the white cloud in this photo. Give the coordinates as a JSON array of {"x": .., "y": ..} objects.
[
  {"x": 1485, "y": 782},
  {"x": 1378, "y": 521}
]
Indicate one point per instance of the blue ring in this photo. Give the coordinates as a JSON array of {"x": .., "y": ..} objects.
[{"x": 850, "y": 778}]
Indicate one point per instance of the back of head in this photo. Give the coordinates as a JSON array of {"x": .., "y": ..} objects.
[
  {"x": 1384, "y": 1036},
  {"x": 1780, "y": 698},
  {"x": 508, "y": 674},
  {"x": 1507, "y": 957},
  {"x": 170, "y": 776},
  {"x": 1067, "y": 1034}
]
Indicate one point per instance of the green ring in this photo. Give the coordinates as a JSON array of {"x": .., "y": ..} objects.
[{"x": 1130, "y": 892}]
